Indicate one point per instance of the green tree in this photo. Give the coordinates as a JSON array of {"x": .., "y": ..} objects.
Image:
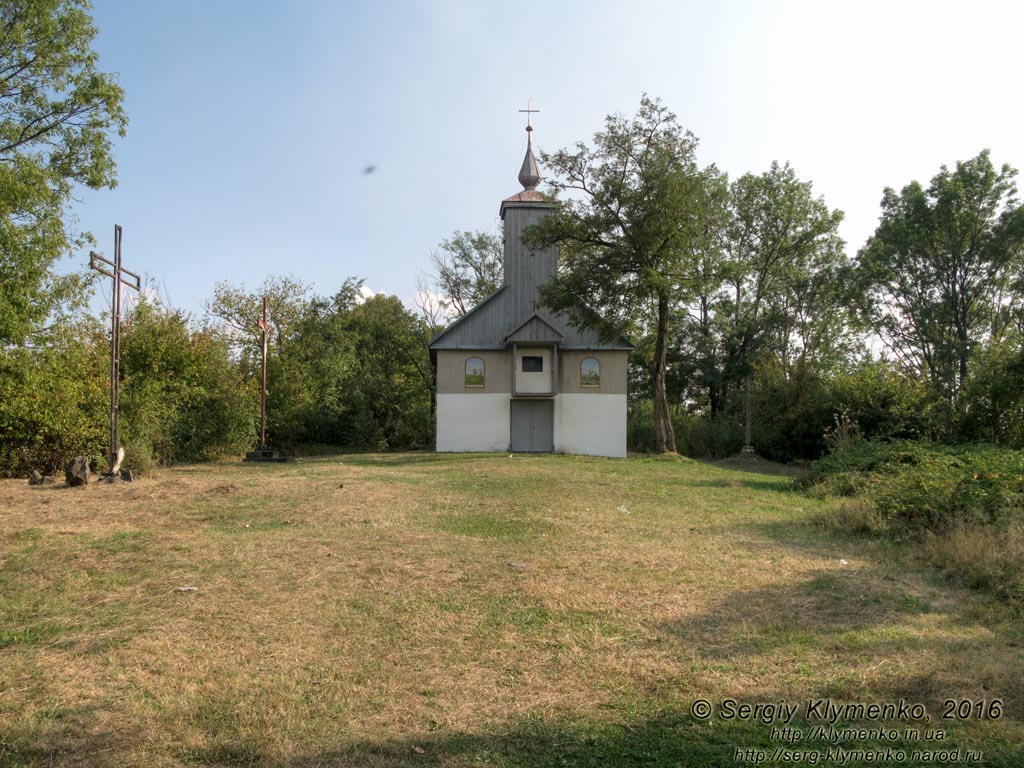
[
  {"x": 783, "y": 254},
  {"x": 766, "y": 285},
  {"x": 993, "y": 402},
  {"x": 238, "y": 310},
  {"x": 635, "y": 216},
  {"x": 941, "y": 274},
  {"x": 309, "y": 381},
  {"x": 57, "y": 112},
  {"x": 390, "y": 388},
  {"x": 54, "y": 400},
  {"x": 467, "y": 269},
  {"x": 182, "y": 397},
  {"x": 358, "y": 374}
]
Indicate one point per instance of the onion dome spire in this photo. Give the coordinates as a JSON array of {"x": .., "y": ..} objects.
[{"x": 529, "y": 174}]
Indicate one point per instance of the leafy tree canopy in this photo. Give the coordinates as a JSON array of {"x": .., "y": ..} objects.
[
  {"x": 238, "y": 311},
  {"x": 633, "y": 212},
  {"x": 467, "y": 269},
  {"x": 942, "y": 273},
  {"x": 57, "y": 113}
]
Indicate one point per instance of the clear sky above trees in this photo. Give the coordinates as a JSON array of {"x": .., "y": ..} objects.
[{"x": 252, "y": 124}]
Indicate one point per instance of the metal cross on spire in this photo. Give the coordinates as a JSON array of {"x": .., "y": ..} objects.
[
  {"x": 529, "y": 110},
  {"x": 97, "y": 262}
]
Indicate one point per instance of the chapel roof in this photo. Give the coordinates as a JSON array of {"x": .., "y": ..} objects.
[{"x": 502, "y": 318}]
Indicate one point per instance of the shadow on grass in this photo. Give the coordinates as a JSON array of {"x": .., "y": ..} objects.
[
  {"x": 826, "y": 612},
  {"x": 870, "y": 605},
  {"x": 668, "y": 738},
  {"x": 69, "y": 736},
  {"x": 644, "y": 733},
  {"x": 757, "y": 465}
]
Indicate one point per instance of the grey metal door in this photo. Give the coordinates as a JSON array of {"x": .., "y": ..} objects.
[{"x": 533, "y": 426}]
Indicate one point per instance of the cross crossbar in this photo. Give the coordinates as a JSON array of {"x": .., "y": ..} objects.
[
  {"x": 95, "y": 258},
  {"x": 529, "y": 111}
]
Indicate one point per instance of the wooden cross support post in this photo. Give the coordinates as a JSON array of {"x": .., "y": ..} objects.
[
  {"x": 748, "y": 445},
  {"x": 263, "y": 453},
  {"x": 114, "y": 270},
  {"x": 262, "y": 325}
]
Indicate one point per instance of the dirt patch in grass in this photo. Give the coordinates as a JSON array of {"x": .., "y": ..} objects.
[{"x": 362, "y": 610}]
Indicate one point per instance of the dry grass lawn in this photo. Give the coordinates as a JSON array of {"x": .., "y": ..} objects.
[{"x": 379, "y": 610}]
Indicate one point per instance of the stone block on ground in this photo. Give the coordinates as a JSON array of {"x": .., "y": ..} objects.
[
  {"x": 76, "y": 472},
  {"x": 35, "y": 478}
]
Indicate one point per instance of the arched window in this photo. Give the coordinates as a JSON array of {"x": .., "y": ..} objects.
[
  {"x": 475, "y": 372},
  {"x": 590, "y": 372}
]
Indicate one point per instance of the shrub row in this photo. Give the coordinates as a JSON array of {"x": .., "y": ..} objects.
[
  {"x": 960, "y": 507},
  {"x": 917, "y": 486}
]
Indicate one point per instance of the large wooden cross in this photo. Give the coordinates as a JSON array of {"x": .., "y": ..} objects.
[
  {"x": 262, "y": 325},
  {"x": 97, "y": 262}
]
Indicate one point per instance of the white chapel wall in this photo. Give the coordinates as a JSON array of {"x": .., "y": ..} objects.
[
  {"x": 591, "y": 424},
  {"x": 473, "y": 422}
]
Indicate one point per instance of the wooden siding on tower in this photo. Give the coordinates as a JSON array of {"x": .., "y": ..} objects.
[{"x": 489, "y": 324}]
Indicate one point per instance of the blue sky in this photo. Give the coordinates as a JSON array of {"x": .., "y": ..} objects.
[{"x": 251, "y": 122}]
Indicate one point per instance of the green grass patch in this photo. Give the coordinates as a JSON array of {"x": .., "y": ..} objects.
[
  {"x": 488, "y": 523},
  {"x": 39, "y": 633},
  {"x": 118, "y": 542}
]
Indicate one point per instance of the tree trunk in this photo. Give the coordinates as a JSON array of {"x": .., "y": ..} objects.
[
  {"x": 665, "y": 436},
  {"x": 715, "y": 397}
]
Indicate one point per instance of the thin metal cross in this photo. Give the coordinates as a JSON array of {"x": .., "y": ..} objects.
[
  {"x": 133, "y": 281},
  {"x": 529, "y": 110}
]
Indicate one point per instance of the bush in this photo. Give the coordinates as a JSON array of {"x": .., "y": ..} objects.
[
  {"x": 707, "y": 438},
  {"x": 982, "y": 558},
  {"x": 640, "y": 427},
  {"x": 54, "y": 404},
  {"x": 854, "y": 515},
  {"x": 794, "y": 410},
  {"x": 921, "y": 487},
  {"x": 697, "y": 437},
  {"x": 993, "y": 402},
  {"x": 183, "y": 399},
  {"x": 964, "y": 505}
]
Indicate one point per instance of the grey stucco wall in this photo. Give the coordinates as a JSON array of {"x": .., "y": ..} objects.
[
  {"x": 614, "y": 365},
  {"x": 451, "y": 371}
]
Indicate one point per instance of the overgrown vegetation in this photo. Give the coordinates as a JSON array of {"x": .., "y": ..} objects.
[
  {"x": 350, "y": 372},
  {"x": 793, "y": 412},
  {"x": 963, "y": 506}
]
